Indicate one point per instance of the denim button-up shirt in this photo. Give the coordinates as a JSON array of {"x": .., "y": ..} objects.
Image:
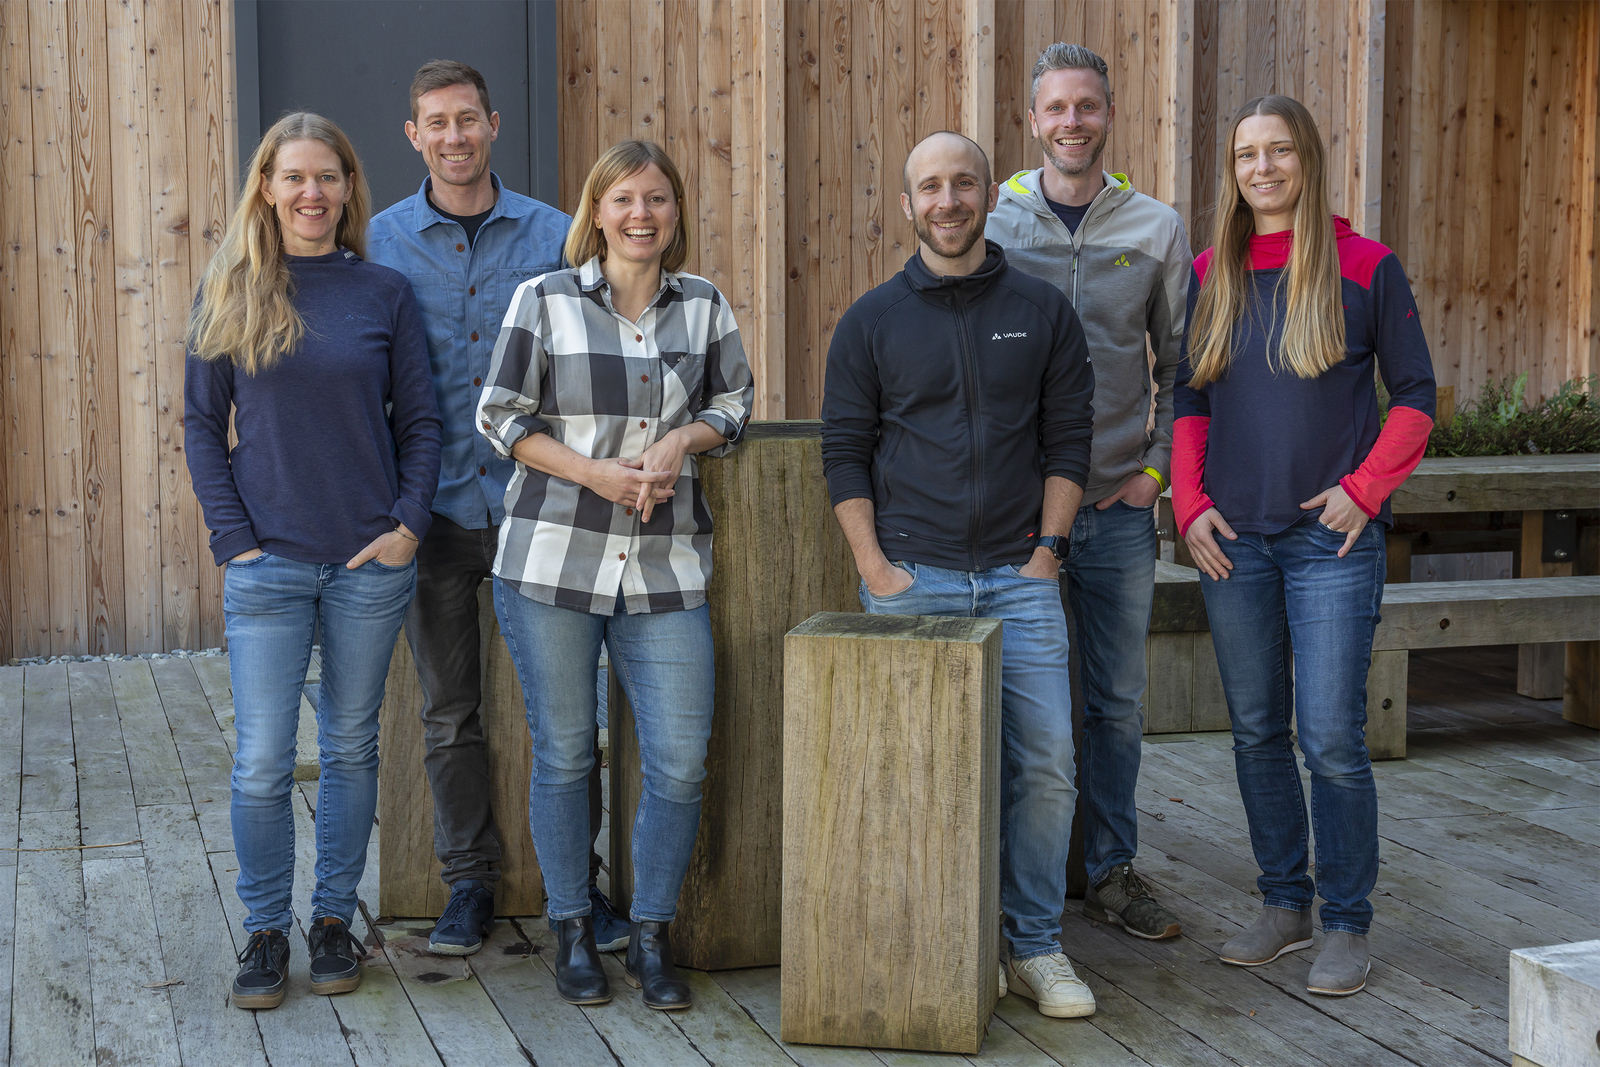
[{"x": 463, "y": 291}]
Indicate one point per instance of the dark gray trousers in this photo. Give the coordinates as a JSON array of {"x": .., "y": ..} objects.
[{"x": 442, "y": 630}]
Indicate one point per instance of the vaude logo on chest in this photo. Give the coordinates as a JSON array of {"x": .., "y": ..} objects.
[{"x": 1009, "y": 336}]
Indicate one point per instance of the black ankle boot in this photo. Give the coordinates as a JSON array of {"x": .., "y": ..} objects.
[
  {"x": 649, "y": 967},
  {"x": 579, "y": 977}
]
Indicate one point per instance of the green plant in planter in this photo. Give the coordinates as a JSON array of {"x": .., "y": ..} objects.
[{"x": 1498, "y": 423}]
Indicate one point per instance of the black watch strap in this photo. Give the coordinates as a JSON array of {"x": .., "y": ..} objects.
[{"x": 1056, "y": 543}]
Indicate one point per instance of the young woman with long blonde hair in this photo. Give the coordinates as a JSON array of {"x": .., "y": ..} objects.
[
  {"x": 1281, "y": 479},
  {"x": 321, "y": 361}
]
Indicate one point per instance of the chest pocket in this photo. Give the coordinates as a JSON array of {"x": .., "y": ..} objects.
[
  {"x": 500, "y": 285},
  {"x": 682, "y": 382}
]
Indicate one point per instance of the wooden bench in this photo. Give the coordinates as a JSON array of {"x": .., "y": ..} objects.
[
  {"x": 1555, "y": 1006},
  {"x": 1414, "y": 616},
  {"x": 891, "y": 831}
]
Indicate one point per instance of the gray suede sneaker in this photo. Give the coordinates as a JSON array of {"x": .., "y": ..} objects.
[
  {"x": 1275, "y": 931},
  {"x": 1123, "y": 898},
  {"x": 1342, "y": 965}
]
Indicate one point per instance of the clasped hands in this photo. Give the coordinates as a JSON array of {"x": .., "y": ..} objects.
[{"x": 644, "y": 482}]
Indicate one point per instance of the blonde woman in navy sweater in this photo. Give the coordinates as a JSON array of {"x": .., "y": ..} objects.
[
  {"x": 1281, "y": 480},
  {"x": 321, "y": 359}
]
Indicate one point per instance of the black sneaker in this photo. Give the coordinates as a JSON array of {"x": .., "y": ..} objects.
[
  {"x": 1123, "y": 898},
  {"x": 336, "y": 956},
  {"x": 263, "y": 971},
  {"x": 466, "y": 919}
]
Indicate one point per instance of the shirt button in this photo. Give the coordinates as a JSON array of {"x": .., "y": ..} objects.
[
  {"x": 477, "y": 381},
  {"x": 461, "y": 248},
  {"x": 622, "y": 555},
  {"x": 472, "y": 290},
  {"x": 638, "y": 337},
  {"x": 483, "y": 470},
  {"x": 644, "y": 377},
  {"x": 627, "y": 511},
  {"x": 474, "y": 335},
  {"x": 643, "y": 424}
]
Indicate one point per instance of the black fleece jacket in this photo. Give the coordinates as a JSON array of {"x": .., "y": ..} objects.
[{"x": 947, "y": 403}]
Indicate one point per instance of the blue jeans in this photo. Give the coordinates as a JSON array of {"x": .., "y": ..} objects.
[
  {"x": 1292, "y": 615},
  {"x": 1111, "y": 581},
  {"x": 663, "y": 661},
  {"x": 272, "y": 607},
  {"x": 1036, "y": 791}
]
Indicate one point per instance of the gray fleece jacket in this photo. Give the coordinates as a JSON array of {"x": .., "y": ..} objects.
[{"x": 1126, "y": 272}]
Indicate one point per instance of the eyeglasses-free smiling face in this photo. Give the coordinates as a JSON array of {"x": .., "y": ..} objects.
[
  {"x": 1070, "y": 118},
  {"x": 949, "y": 201},
  {"x": 307, "y": 189},
  {"x": 638, "y": 216},
  {"x": 1267, "y": 167},
  {"x": 453, "y": 135}
]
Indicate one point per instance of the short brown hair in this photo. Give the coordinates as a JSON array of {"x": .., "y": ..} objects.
[
  {"x": 623, "y": 160},
  {"x": 443, "y": 73}
]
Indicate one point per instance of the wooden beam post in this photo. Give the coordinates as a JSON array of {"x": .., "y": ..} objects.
[{"x": 891, "y": 810}]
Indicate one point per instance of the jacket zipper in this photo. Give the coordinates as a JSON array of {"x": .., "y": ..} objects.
[{"x": 974, "y": 416}]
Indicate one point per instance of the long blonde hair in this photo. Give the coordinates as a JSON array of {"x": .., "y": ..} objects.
[
  {"x": 622, "y": 160},
  {"x": 245, "y": 311},
  {"x": 1313, "y": 324}
]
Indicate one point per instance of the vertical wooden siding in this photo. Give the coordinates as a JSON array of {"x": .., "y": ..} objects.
[
  {"x": 1464, "y": 134},
  {"x": 116, "y": 120},
  {"x": 1490, "y": 185}
]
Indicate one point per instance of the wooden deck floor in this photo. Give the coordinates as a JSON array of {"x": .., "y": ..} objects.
[{"x": 118, "y": 919}]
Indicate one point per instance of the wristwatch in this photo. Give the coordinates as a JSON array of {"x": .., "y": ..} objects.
[{"x": 1056, "y": 543}]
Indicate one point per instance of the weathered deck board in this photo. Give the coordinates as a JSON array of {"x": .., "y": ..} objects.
[
  {"x": 1491, "y": 840},
  {"x": 524, "y": 991},
  {"x": 207, "y": 762},
  {"x": 52, "y": 1017},
  {"x": 155, "y": 770},
  {"x": 105, "y": 791},
  {"x": 49, "y": 782},
  {"x": 194, "y": 939},
  {"x": 133, "y": 1012}
]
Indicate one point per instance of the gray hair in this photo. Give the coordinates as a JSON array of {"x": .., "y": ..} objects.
[{"x": 1062, "y": 56}]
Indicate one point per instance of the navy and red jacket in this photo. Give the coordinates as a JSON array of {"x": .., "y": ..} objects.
[{"x": 1260, "y": 440}]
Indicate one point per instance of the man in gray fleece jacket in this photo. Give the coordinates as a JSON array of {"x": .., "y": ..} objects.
[{"x": 1123, "y": 260}]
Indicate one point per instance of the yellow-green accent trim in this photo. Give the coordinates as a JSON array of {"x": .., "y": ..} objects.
[{"x": 1160, "y": 481}]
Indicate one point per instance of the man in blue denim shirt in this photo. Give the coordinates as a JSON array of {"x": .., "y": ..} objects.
[{"x": 466, "y": 242}]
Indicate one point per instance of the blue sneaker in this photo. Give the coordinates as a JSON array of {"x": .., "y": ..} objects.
[
  {"x": 610, "y": 929},
  {"x": 466, "y": 919}
]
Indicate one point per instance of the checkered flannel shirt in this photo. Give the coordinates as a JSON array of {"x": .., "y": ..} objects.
[{"x": 568, "y": 364}]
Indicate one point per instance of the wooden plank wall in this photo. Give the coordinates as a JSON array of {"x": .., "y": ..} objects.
[
  {"x": 1328, "y": 54},
  {"x": 116, "y": 116},
  {"x": 1491, "y": 187},
  {"x": 1463, "y": 134}
]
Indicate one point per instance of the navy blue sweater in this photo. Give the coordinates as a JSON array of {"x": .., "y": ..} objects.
[
  {"x": 338, "y": 440},
  {"x": 947, "y": 403},
  {"x": 1259, "y": 440}
]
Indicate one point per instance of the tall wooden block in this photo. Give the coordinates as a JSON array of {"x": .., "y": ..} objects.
[
  {"x": 777, "y": 558},
  {"x": 1555, "y": 1005},
  {"x": 408, "y": 873},
  {"x": 1539, "y": 667},
  {"x": 1386, "y": 703},
  {"x": 891, "y": 819}
]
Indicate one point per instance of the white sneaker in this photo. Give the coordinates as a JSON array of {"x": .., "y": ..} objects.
[
  {"x": 1050, "y": 982},
  {"x": 1002, "y": 982}
]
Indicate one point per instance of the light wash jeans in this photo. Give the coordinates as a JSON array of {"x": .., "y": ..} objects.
[
  {"x": 663, "y": 661},
  {"x": 272, "y": 606},
  {"x": 1036, "y": 791},
  {"x": 1292, "y": 615},
  {"x": 1111, "y": 581}
]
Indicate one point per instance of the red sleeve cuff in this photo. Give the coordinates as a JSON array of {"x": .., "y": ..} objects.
[
  {"x": 1396, "y": 453},
  {"x": 1189, "y": 499}
]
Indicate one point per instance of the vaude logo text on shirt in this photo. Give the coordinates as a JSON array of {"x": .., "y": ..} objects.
[{"x": 1008, "y": 336}]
